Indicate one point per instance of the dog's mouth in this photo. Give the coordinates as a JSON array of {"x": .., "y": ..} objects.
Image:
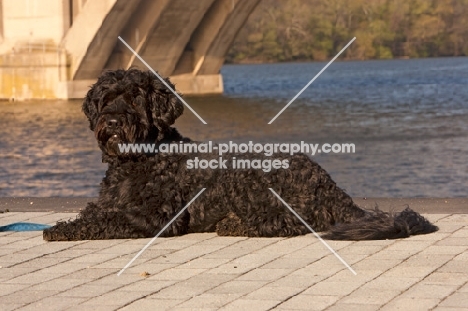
[{"x": 113, "y": 145}]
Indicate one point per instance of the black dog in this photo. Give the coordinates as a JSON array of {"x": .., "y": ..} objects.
[{"x": 141, "y": 193}]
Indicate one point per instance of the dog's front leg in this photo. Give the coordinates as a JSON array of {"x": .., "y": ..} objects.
[{"x": 94, "y": 224}]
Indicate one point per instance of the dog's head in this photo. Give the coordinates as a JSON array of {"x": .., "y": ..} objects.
[{"x": 130, "y": 106}]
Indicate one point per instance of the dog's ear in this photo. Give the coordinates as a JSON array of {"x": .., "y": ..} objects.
[
  {"x": 90, "y": 108},
  {"x": 164, "y": 105}
]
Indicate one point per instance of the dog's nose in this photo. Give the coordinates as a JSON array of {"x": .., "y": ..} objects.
[{"x": 112, "y": 123}]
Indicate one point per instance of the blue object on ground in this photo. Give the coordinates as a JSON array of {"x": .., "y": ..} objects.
[{"x": 23, "y": 226}]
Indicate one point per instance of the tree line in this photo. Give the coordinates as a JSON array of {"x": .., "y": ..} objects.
[{"x": 302, "y": 30}]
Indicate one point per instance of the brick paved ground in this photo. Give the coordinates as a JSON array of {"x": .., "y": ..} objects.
[{"x": 206, "y": 272}]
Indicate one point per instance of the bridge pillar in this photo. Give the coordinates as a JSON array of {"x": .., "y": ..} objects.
[{"x": 57, "y": 48}]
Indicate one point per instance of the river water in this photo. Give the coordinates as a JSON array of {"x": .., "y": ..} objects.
[{"x": 407, "y": 118}]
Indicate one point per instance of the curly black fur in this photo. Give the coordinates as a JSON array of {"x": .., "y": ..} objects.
[{"x": 141, "y": 193}]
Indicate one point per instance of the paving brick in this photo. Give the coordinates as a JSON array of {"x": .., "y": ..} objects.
[
  {"x": 248, "y": 304},
  {"x": 376, "y": 264},
  {"x": 456, "y": 300},
  {"x": 273, "y": 293},
  {"x": 146, "y": 286},
  {"x": 440, "y": 249},
  {"x": 354, "y": 307},
  {"x": 89, "y": 273},
  {"x": 95, "y": 258},
  {"x": 237, "y": 287},
  {"x": 33, "y": 278},
  {"x": 58, "y": 285},
  {"x": 9, "y": 307},
  {"x": 455, "y": 241},
  {"x": 308, "y": 302},
  {"x": 426, "y": 260},
  {"x": 225, "y": 240},
  {"x": 464, "y": 288},
  {"x": 416, "y": 304},
  {"x": 446, "y": 278},
  {"x": 114, "y": 298},
  {"x": 243, "y": 264},
  {"x": 437, "y": 236},
  {"x": 209, "y": 279},
  {"x": 408, "y": 245},
  {"x": 261, "y": 274},
  {"x": 313, "y": 251},
  {"x": 378, "y": 296},
  {"x": 190, "y": 253},
  {"x": 151, "y": 268},
  {"x": 13, "y": 272},
  {"x": 53, "y": 303},
  {"x": 7, "y": 289},
  {"x": 462, "y": 233},
  {"x": 329, "y": 288},
  {"x": 362, "y": 276},
  {"x": 176, "y": 274},
  {"x": 391, "y": 255},
  {"x": 208, "y": 301},
  {"x": 416, "y": 272},
  {"x": 95, "y": 244},
  {"x": 427, "y": 290},
  {"x": 462, "y": 256},
  {"x": 41, "y": 262},
  {"x": 172, "y": 244},
  {"x": 395, "y": 283},
  {"x": 178, "y": 292},
  {"x": 25, "y": 296},
  {"x": 319, "y": 268},
  {"x": 454, "y": 266},
  {"x": 114, "y": 279},
  {"x": 286, "y": 246},
  {"x": 47, "y": 248},
  {"x": 65, "y": 268},
  {"x": 19, "y": 258},
  {"x": 151, "y": 304},
  {"x": 289, "y": 263},
  {"x": 449, "y": 227},
  {"x": 462, "y": 218},
  {"x": 89, "y": 290},
  {"x": 240, "y": 249},
  {"x": 361, "y": 249},
  {"x": 298, "y": 280},
  {"x": 204, "y": 263}
]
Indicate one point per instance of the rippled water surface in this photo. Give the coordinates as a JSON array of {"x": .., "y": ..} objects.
[{"x": 407, "y": 118}]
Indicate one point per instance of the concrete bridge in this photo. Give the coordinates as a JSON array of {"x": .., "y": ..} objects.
[{"x": 57, "y": 48}]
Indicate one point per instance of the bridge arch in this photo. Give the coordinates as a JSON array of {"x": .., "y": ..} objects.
[{"x": 186, "y": 40}]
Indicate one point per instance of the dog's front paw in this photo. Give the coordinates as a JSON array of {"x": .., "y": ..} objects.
[{"x": 54, "y": 233}]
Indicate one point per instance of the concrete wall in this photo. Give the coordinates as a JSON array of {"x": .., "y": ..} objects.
[
  {"x": 32, "y": 63},
  {"x": 27, "y": 21}
]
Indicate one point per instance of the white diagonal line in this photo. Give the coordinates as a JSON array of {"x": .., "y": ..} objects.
[
  {"x": 160, "y": 78},
  {"x": 311, "y": 81},
  {"x": 315, "y": 233},
  {"x": 159, "y": 233}
]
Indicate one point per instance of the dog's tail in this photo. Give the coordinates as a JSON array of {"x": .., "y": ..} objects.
[{"x": 379, "y": 225}]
